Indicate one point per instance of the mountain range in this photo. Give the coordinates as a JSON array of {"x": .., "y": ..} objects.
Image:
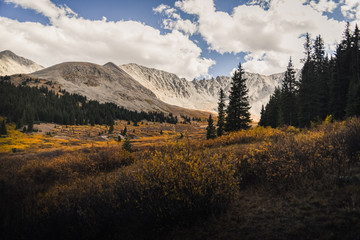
[{"x": 137, "y": 87}]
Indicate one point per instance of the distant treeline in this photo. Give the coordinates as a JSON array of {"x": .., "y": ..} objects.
[
  {"x": 328, "y": 86},
  {"x": 25, "y": 105}
]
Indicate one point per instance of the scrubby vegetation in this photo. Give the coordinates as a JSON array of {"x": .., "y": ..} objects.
[{"x": 260, "y": 183}]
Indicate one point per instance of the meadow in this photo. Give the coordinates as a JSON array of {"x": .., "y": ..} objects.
[{"x": 76, "y": 182}]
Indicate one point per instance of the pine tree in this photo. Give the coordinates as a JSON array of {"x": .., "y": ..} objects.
[
  {"x": 288, "y": 112},
  {"x": 307, "y": 110},
  {"x": 111, "y": 128},
  {"x": 221, "y": 113},
  {"x": 341, "y": 81},
  {"x": 321, "y": 82},
  {"x": 262, "y": 121},
  {"x": 238, "y": 116},
  {"x": 3, "y": 130},
  {"x": 307, "y": 48},
  {"x": 353, "y": 98},
  {"x": 124, "y": 131},
  {"x": 127, "y": 145},
  {"x": 272, "y": 109},
  {"x": 210, "y": 129}
]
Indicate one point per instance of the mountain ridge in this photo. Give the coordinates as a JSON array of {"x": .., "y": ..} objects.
[
  {"x": 10, "y": 64},
  {"x": 203, "y": 94}
]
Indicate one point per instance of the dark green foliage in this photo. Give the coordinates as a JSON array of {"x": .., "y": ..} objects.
[
  {"x": 238, "y": 116},
  {"x": 111, "y": 128},
  {"x": 24, "y": 105},
  {"x": 346, "y": 71},
  {"x": 262, "y": 121},
  {"x": 3, "y": 130},
  {"x": 353, "y": 97},
  {"x": 186, "y": 119},
  {"x": 123, "y": 132},
  {"x": 288, "y": 111},
  {"x": 210, "y": 129},
  {"x": 328, "y": 86},
  {"x": 314, "y": 86},
  {"x": 127, "y": 145},
  {"x": 271, "y": 115},
  {"x": 221, "y": 113}
]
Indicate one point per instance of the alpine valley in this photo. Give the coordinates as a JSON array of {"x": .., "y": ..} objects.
[{"x": 137, "y": 87}]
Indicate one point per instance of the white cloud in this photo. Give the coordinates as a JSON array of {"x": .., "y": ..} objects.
[
  {"x": 161, "y": 8},
  {"x": 269, "y": 37},
  {"x": 185, "y": 26},
  {"x": 262, "y": 3},
  {"x": 324, "y": 5},
  {"x": 72, "y": 38},
  {"x": 174, "y": 20},
  {"x": 351, "y": 10},
  {"x": 45, "y": 7}
]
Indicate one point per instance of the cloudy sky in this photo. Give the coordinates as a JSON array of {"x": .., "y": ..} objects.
[{"x": 192, "y": 38}]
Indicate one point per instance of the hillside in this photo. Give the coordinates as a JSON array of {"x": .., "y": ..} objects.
[{"x": 107, "y": 83}]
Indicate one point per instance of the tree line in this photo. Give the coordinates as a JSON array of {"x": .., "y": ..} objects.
[
  {"x": 25, "y": 105},
  {"x": 329, "y": 86}
]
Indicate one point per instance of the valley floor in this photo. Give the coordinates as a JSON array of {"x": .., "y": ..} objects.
[{"x": 76, "y": 182}]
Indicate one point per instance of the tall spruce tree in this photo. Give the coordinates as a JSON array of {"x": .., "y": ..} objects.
[
  {"x": 238, "y": 116},
  {"x": 353, "y": 98},
  {"x": 307, "y": 90},
  {"x": 221, "y": 113},
  {"x": 262, "y": 121},
  {"x": 210, "y": 129},
  {"x": 342, "y": 75},
  {"x": 272, "y": 110},
  {"x": 288, "y": 111},
  {"x": 320, "y": 79}
]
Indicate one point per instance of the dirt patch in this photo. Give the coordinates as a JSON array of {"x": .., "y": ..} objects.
[{"x": 45, "y": 128}]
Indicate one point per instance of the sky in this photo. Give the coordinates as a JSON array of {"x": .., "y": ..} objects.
[{"x": 191, "y": 38}]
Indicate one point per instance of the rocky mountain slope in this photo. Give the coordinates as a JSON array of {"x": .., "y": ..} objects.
[
  {"x": 137, "y": 87},
  {"x": 107, "y": 83},
  {"x": 202, "y": 94},
  {"x": 10, "y": 64}
]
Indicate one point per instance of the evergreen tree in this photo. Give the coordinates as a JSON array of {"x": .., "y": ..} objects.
[
  {"x": 127, "y": 145},
  {"x": 210, "y": 129},
  {"x": 221, "y": 113},
  {"x": 111, "y": 128},
  {"x": 307, "y": 110},
  {"x": 3, "y": 130},
  {"x": 353, "y": 98},
  {"x": 320, "y": 79},
  {"x": 288, "y": 112},
  {"x": 123, "y": 132},
  {"x": 342, "y": 75},
  {"x": 307, "y": 47},
  {"x": 238, "y": 116},
  {"x": 262, "y": 121},
  {"x": 272, "y": 110}
]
